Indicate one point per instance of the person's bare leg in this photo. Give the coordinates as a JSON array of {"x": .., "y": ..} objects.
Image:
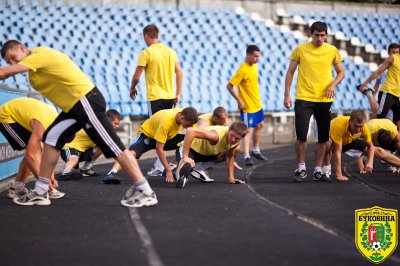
[
  {"x": 301, "y": 150},
  {"x": 319, "y": 153}
]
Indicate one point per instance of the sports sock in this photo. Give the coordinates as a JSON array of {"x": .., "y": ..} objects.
[
  {"x": 113, "y": 171},
  {"x": 256, "y": 150},
  {"x": 302, "y": 166},
  {"x": 66, "y": 171},
  {"x": 317, "y": 169},
  {"x": 87, "y": 165},
  {"x": 204, "y": 165},
  {"x": 18, "y": 185},
  {"x": 326, "y": 169},
  {"x": 42, "y": 185},
  {"x": 144, "y": 186}
]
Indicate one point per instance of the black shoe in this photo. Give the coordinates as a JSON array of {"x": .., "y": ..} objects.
[
  {"x": 299, "y": 175},
  {"x": 248, "y": 161},
  {"x": 70, "y": 176},
  {"x": 89, "y": 172},
  {"x": 184, "y": 172},
  {"x": 111, "y": 178},
  {"x": 258, "y": 155},
  {"x": 319, "y": 176}
]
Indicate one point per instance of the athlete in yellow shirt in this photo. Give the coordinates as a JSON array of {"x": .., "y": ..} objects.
[
  {"x": 218, "y": 117},
  {"x": 348, "y": 133},
  {"x": 159, "y": 63},
  {"x": 388, "y": 97},
  {"x": 214, "y": 143},
  {"x": 314, "y": 94},
  {"x": 54, "y": 75},
  {"x": 83, "y": 149},
  {"x": 384, "y": 136},
  {"x": 23, "y": 122},
  {"x": 160, "y": 132},
  {"x": 249, "y": 101}
]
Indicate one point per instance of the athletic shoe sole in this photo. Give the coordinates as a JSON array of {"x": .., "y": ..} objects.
[
  {"x": 183, "y": 174},
  {"x": 31, "y": 203},
  {"x": 147, "y": 203}
]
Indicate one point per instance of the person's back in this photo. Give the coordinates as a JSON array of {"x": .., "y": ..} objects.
[
  {"x": 23, "y": 110},
  {"x": 204, "y": 146}
]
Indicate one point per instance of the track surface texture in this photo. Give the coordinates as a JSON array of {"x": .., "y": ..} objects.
[{"x": 268, "y": 221}]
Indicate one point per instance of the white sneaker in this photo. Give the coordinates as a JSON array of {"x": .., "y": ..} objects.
[
  {"x": 12, "y": 193},
  {"x": 56, "y": 194},
  {"x": 201, "y": 175},
  {"x": 155, "y": 172},
  {"x": 136, "y": 198},
  {"x": 392, "y": 169},
  {"x": 33, "y": 198}
]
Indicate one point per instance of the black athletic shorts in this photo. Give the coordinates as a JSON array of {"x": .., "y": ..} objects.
[
  {"x": 357, "y": 144},
  {"x": 88, "y": 113},
  {"x": 195, "y": 156},
  {"x": 322, "y": 114},
  {"x": 388, "y": 101},
  {"x": 161, "y": 104},
  {"x": 143, "y": 144},
  {"x": 85, "y": 156},
  {"x": 16, "y": 135}
]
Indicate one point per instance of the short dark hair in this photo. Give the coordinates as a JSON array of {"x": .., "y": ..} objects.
[
  {"x": 239, "y": 127},
  {"x": 319, "y": 26},
  {"x": 252, "y": 48},
  {"x": 393, "y": 46},
  {"x": 151, "y": 30},
  {"x": 113, "y": 114},
  {"x": 8, "y": 45},
  {"x": 219, "y": 112},
  {"x": 190, "y": 114},
  {"x": 384, "y": 138},
  {"x": 358, "y": 116}
]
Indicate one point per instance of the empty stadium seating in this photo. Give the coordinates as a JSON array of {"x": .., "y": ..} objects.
[{"x": 105, "y": 41}]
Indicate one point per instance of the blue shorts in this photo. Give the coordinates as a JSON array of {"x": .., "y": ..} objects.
[{"x": 252, "y": 119}]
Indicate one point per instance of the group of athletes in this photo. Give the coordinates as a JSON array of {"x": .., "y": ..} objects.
[{"x": 84, "y": 129}]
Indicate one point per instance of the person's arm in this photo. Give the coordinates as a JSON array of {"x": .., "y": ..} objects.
[
  {"x": 288, "y": 83},
  {"x": 8, "y": 71},
  {"x": 236, "y": 96},
  {"x": 192, "y": 133},
  {"x": 370, "y": 163},
  {"x": 135, "y": 80},
  {"x": 397, "y": 142},
  {"x": 337, "y": 159},
  {"x": 386, "y": 64},
  {"x": 33, "y": 151},
  {"x": 162, "y": 155},
  {"x": 339, "y": 77},
  {"x": 377, "y": 83},
  {"x": 230, "y": 167},
  {"x": 179, "y": 77}
]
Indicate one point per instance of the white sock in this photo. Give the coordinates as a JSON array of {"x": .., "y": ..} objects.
[
  {"x": 66, "y": 171},
  {"x": 204, "y": 165},
  {"x": 302, "y": 166},
  {"x": 144, "y": 186},
  {"x": 246, "y": 155},
  {"x": 112, "y": 171},
  {"x": 18, "y": 185},
  {"x": 318, "y": 169},
  {"x": 87, "y": 165},
  {"x": 42, "y": 185},
  {"x": 158, "y": 165},
  {"x": 256, "y": 150},
  {"x": 326, "y": 169}
]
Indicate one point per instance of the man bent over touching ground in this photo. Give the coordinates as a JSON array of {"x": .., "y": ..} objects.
[{"x": 214, "y": 143}]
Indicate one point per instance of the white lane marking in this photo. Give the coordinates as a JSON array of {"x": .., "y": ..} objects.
[{"x": 152, "y": 256}]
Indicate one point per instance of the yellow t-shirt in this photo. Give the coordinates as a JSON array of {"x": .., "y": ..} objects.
[
  {"x": 375, "y": 124},
  {"x": 54, "y": 75},
  {"x": 207, "y": 117},
  {"x": 315, "y": 70},
  {"x": 23, "y": 110},
  {"x": 159, "y": 62},
  {"x": 340, "y": 132},
  {"x": 392, "y": 82},
  {"x": 161, "y": 126},
  {"x": 204, "y": 147},
  {"x": 81, "y": 142},
  {"x": 246, "y": 79}
]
